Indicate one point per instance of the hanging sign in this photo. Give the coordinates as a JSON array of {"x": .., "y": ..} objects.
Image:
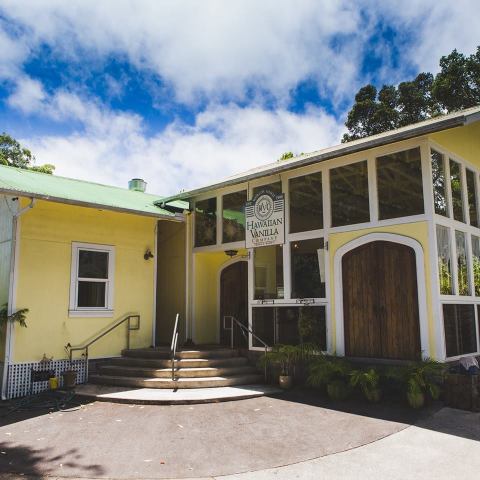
[{"x": 265, "y": 219}]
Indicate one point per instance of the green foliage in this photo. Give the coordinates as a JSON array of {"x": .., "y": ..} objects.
[
  {"x": 455, "y": 87},
  {"x": 476, "y": 275},
  {"x": 368, "y": 381},
  {"x": 287, "y": 356},
  {"x": 19, "y": 316},
  {"x": 14, "y": 155},
  {"x": 324, "y": 370},
  {"x": 445, "y": 277},
  {"x": 286, "y": 156},
  {"x": 420, "y": 377}
]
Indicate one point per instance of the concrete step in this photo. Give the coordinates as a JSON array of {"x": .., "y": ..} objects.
[
  {"x": 185, "y": 363},
  {"x": 200, "y": 382},
  {"x": 162, "y": 353},
  {"x": 195, "y": 372},
  {"x": 164, "y": 396}
]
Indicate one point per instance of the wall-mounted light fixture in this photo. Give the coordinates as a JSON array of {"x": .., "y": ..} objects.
[
  {"x": 231, "y": 253},
  {"x": 148, "y": 254}
]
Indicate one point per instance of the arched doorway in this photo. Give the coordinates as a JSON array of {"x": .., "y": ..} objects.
[
  {"x": 380, "y": 301},
  {"x": 234, "y": 301}
]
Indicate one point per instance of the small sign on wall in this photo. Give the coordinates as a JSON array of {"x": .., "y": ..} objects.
[{"x": 265, "y": 219}]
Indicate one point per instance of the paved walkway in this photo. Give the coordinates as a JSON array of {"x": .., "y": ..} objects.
[{"x": 297, "y": 435}]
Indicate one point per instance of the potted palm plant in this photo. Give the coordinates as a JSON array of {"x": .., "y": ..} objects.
[
  {"x": 332, "y": 373},
  {"x": 420, "y": 379},
  {"x": 369, "y": 383},
  {"x": 287, "y": 357}
]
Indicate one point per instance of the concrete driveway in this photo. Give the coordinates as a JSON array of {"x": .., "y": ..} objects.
[{"x": 298, "y": 435}]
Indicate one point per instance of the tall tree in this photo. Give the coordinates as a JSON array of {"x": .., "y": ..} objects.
[
  {"x": 455, "y": 87},
  {"x": 14, "y": 155}
]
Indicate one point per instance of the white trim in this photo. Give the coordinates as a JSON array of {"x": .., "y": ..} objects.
[
  {"x": 74, "y": 309},
  {"x": 421, "y": 285},
  {"x": 12, "y": 300},
  {"x": 90, "y": 313}
]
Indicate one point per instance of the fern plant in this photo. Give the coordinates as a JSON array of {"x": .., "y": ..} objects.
[{"x": 368, "y": 381}]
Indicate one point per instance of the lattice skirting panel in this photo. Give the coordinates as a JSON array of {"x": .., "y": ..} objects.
[{"x": 19, "y": 381}]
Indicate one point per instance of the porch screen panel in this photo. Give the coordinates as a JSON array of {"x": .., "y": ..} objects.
[
  {"x": 457, "y": 191},
  {"x": 268, "y": 272},
  {"x": 234, "y": 217},
  {"x": 306, "y": 203},
  {"x": 400, "y": 187},
  {"x": 263, "y": 326},
  {"x": 439, "y": 191},
  {"x": 308, "y": 268},
  {"x": 476, "y": 264},
  {"x": 349, "y": 194},
  {"x": 290, "y": 325},
  {"x": 472, "y": 198},
  {"x": 206, "y": 222},
  {"x": 460, "y": 329},
  {"x": 462, "y": 263},
  {"x": 444, "y": 256}
]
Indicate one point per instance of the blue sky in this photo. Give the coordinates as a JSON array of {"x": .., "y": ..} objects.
[{"x": 183, "y": 93}]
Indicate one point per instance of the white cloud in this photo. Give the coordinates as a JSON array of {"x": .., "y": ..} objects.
[
  {"x": 211, "y": 48},
  {"x": 28, "y": 95},
  {"x": 223, "y": 141},
  {"x": 217, "y": 51},
  {"x": 435, "y": 26}
]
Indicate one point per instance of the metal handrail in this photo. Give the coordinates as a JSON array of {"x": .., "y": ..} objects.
[
  {"x": 247, "y": 329},
  {"x": 173, "y": 346},
  {"x": 126, "y": 318}
]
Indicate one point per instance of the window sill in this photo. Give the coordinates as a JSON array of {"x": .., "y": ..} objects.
[{"x": 90, "y": 313}]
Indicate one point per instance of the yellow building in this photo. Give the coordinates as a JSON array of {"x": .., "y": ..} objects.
[
  {"x": 380, "y": 255},
  {"x": 370, "y": 249},
  {"x": 81, "y": 257}
]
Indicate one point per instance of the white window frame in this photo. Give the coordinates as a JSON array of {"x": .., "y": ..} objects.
[
  {"x": 75, "y": 310},
  {"x": 453, "y": 225}
]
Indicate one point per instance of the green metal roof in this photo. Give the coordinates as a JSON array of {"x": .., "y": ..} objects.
[{"x": 23, "y": 182}]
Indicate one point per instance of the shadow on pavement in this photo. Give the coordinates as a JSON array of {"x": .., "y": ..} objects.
[
  {"x": 38, "y": 462},
  {"x": 433, "y": 417}
]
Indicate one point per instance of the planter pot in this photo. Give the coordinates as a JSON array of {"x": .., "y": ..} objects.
[
  {"x": 285, "y": 381},
  {"x": 373, "y": 396},
  {"x": 338, "y": 390},
  {"x": 69, "y": 378},
  {"x": 416, "y": 400}
]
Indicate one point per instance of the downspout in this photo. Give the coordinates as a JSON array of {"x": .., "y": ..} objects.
[{"x": 12, "y": 292}]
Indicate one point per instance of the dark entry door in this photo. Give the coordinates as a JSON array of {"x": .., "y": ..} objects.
[
  {"x": 380, "y": 302},
  {"x": 234, "y": 301}
]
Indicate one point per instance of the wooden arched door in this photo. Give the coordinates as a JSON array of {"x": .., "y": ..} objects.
[
  {"x": 234, "y": 301},
  {"x": 380, "y": 302}
]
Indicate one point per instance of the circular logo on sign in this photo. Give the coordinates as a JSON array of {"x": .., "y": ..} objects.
[{"x": 263, "y": 207}]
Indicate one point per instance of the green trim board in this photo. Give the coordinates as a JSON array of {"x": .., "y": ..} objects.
[{"x": 17, "y": 181}]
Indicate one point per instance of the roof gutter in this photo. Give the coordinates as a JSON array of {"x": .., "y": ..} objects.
[
  {"x": 349, "y": 148},
  {"x": 174, "y": 218}
]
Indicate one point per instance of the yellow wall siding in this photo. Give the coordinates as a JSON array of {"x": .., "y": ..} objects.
[
  {"x": 171, "y": 285},
  {"x": 46, "y": 235},
  {"x": 207, "y": 267},
  {"x": 6, "y": 232},
  {"x": 462, "y": 141},
  {"x": 417, "y": 231}
]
